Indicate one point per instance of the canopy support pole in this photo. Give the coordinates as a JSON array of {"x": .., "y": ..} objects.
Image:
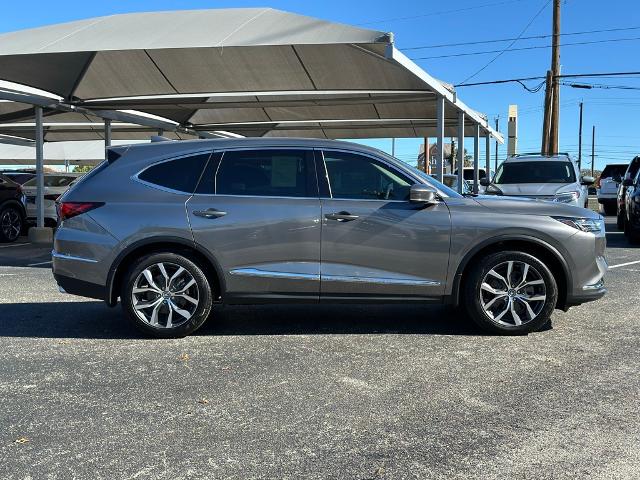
[
  {"x": 39, "y": 168},
  {"x": 440, "y": 139},
  {"x": 107, "y": 133},
  {"x": 487, "y": 156},
  {"x": 476, "y": 158},
  {"x": 460, "y": 161}
]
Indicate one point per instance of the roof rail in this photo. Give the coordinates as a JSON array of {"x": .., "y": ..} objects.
[{"x": 539, "y": 154}]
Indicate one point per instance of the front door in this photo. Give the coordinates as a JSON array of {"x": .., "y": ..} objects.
[
  {"x": 258, "y": 213},
  {"x": 375, "y": 243}
]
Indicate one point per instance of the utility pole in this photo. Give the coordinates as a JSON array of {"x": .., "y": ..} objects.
[
  {"x": 393, "y": 147},
  {"x": 580, "y": 141},
  {"x": 546, "y": 123},
  {"x": 427, "y": 156},
  {"x": 497, "y": 144},
  {"x": 555, "y": 67},
  {"x": 593, "y": 149},
  {"x": 550, "y": 129}
]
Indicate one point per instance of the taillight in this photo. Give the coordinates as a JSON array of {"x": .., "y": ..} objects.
[{"x": 68, "y": 210}]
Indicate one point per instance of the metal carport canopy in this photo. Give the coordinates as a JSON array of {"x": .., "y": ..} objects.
[{"x": 213, "y": 68}]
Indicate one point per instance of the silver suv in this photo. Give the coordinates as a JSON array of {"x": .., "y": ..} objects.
[{"x": 172, "y": 228}]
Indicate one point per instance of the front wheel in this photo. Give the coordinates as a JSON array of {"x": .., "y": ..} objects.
[
  {"x": 166, "y": 295},
  {"x": 10, "y": 224},
  {"x": 510, "y": 293}
]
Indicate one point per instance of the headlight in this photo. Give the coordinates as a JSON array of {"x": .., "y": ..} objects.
[
  {"x": 493, "y": 190},
  {"x": 583, "y": 224},
  {"x": 567, "y": 197}
]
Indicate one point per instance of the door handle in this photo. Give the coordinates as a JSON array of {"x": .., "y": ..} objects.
[
  {"x": 341, "y": 216},
  {"x": 209, "y": 213}
]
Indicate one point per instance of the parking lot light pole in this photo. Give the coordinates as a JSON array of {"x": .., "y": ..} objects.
[
  {"x": 39, "y": 168},
  {"x": 476, "y": 158},
  {"x": 440, "y": 139},
  {"x": 460, "y": 161}
]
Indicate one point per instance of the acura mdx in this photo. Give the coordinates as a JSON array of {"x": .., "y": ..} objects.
[{"x": 172, "y": 228}]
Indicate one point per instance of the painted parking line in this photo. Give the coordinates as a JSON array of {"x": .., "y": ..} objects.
[
  {"x": 624, "y": 264},
  {"x": 40, "y": 263},
  {"x": 14, "y": 245}
]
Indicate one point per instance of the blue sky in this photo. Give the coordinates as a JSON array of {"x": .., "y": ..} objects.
[{"x": 614, "y": 112}]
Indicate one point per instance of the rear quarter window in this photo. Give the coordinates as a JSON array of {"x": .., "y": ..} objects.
[{"x": 180, "y": 174}]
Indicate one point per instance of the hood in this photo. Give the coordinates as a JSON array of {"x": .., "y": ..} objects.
[
  {"x": 527, "y": 206},
  {"x": 535, "y": 188}
]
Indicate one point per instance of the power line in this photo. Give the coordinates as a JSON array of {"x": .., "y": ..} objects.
[
  {"x": 510, "y": 44},
  {"x": 573, "y": 75},
  {"x": 519, "y": 49},
  {"x": 441, "y": 12},
  {"x": 532, "y": 37}
]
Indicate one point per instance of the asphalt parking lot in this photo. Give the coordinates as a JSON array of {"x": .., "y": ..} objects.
[{"x": 326, "y": 392}]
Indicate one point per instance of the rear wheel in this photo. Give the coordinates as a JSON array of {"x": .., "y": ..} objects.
[
  {"x": 510, "y": 293},
  {"x": 166, "y": 295},
  {"x": 10, "y": 224}
]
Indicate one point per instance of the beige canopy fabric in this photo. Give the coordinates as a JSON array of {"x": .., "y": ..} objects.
[{"x": 251, "y": 71}]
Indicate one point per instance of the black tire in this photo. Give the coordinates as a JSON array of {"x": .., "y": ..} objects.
[
  {"x": 474, "y": 294},
  {"x": 171, "y": 262},
  {"x": 632, "y": 233},
  {"x": 11, "y": 223},
  {"x": 609, "y": 209}
]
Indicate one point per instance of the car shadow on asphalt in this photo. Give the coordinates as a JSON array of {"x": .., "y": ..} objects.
[{"x": 94, "y": 320}]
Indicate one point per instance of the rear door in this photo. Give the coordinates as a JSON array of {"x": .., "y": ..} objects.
[
  {"x": 257, "y": 211},
  {"x": 375, "y": 243}
]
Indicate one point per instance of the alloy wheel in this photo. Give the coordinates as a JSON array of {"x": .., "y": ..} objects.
[
  {"x": 11, "y": 224},
  {"x": 165, "y": 295},
  {"x": 512, "y": 293}
]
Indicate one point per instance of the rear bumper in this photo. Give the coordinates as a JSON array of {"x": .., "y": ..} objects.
[{"x": 81, "y": 288}]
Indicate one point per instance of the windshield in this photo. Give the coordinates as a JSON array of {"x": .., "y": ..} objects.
[
  {"x": 543, "y": 171},
  {"x": 53, "y": 181},
  {"x": 611, "y": 171}
]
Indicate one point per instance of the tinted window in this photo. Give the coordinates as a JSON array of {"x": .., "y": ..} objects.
[
  {"x": 611, "y": 171},
  {"x": 545, "y": 171},
  {"x": 53, "y": 181},
  {"x": 359, "y": 177},
  {"x": 181, "y": 174},
  {"x": 267, "y": 173}
]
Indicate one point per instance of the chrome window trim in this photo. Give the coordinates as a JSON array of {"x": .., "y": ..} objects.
[
  {"x": 64, "y": 256},
  {"x": 136, "y": 176}
]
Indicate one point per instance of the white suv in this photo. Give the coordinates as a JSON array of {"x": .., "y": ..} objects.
[{"x": 554, "y": 178}]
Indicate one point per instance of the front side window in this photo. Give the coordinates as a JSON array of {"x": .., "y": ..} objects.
[
  {"x": 181, "y": 174},
  {"x": 359, "y": 177},
  {"x": 267, "y": 173},
  {"x": 543, "y": 171}
]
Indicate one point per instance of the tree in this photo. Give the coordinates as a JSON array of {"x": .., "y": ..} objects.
[{"x": 82, "y": 168}]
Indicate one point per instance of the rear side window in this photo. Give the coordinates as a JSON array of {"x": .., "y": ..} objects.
[
  {"x": 181, "y": 174},
  {"x": 267, "y": 173}
]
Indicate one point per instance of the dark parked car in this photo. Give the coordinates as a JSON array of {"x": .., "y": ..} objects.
[
  {"x": 257, "y": 220},
  {"x": 632, "y": 208},
  {"x": 630, "y": 174},
  {"x": 12, "y": 209}
]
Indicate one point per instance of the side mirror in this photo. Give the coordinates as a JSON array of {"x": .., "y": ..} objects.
[
  {"x": 627, "y": 182},
  {"x": 586, "y": 180},
  {"x": 485, "y": 182},
  {"x": 420, "y": 193}
]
